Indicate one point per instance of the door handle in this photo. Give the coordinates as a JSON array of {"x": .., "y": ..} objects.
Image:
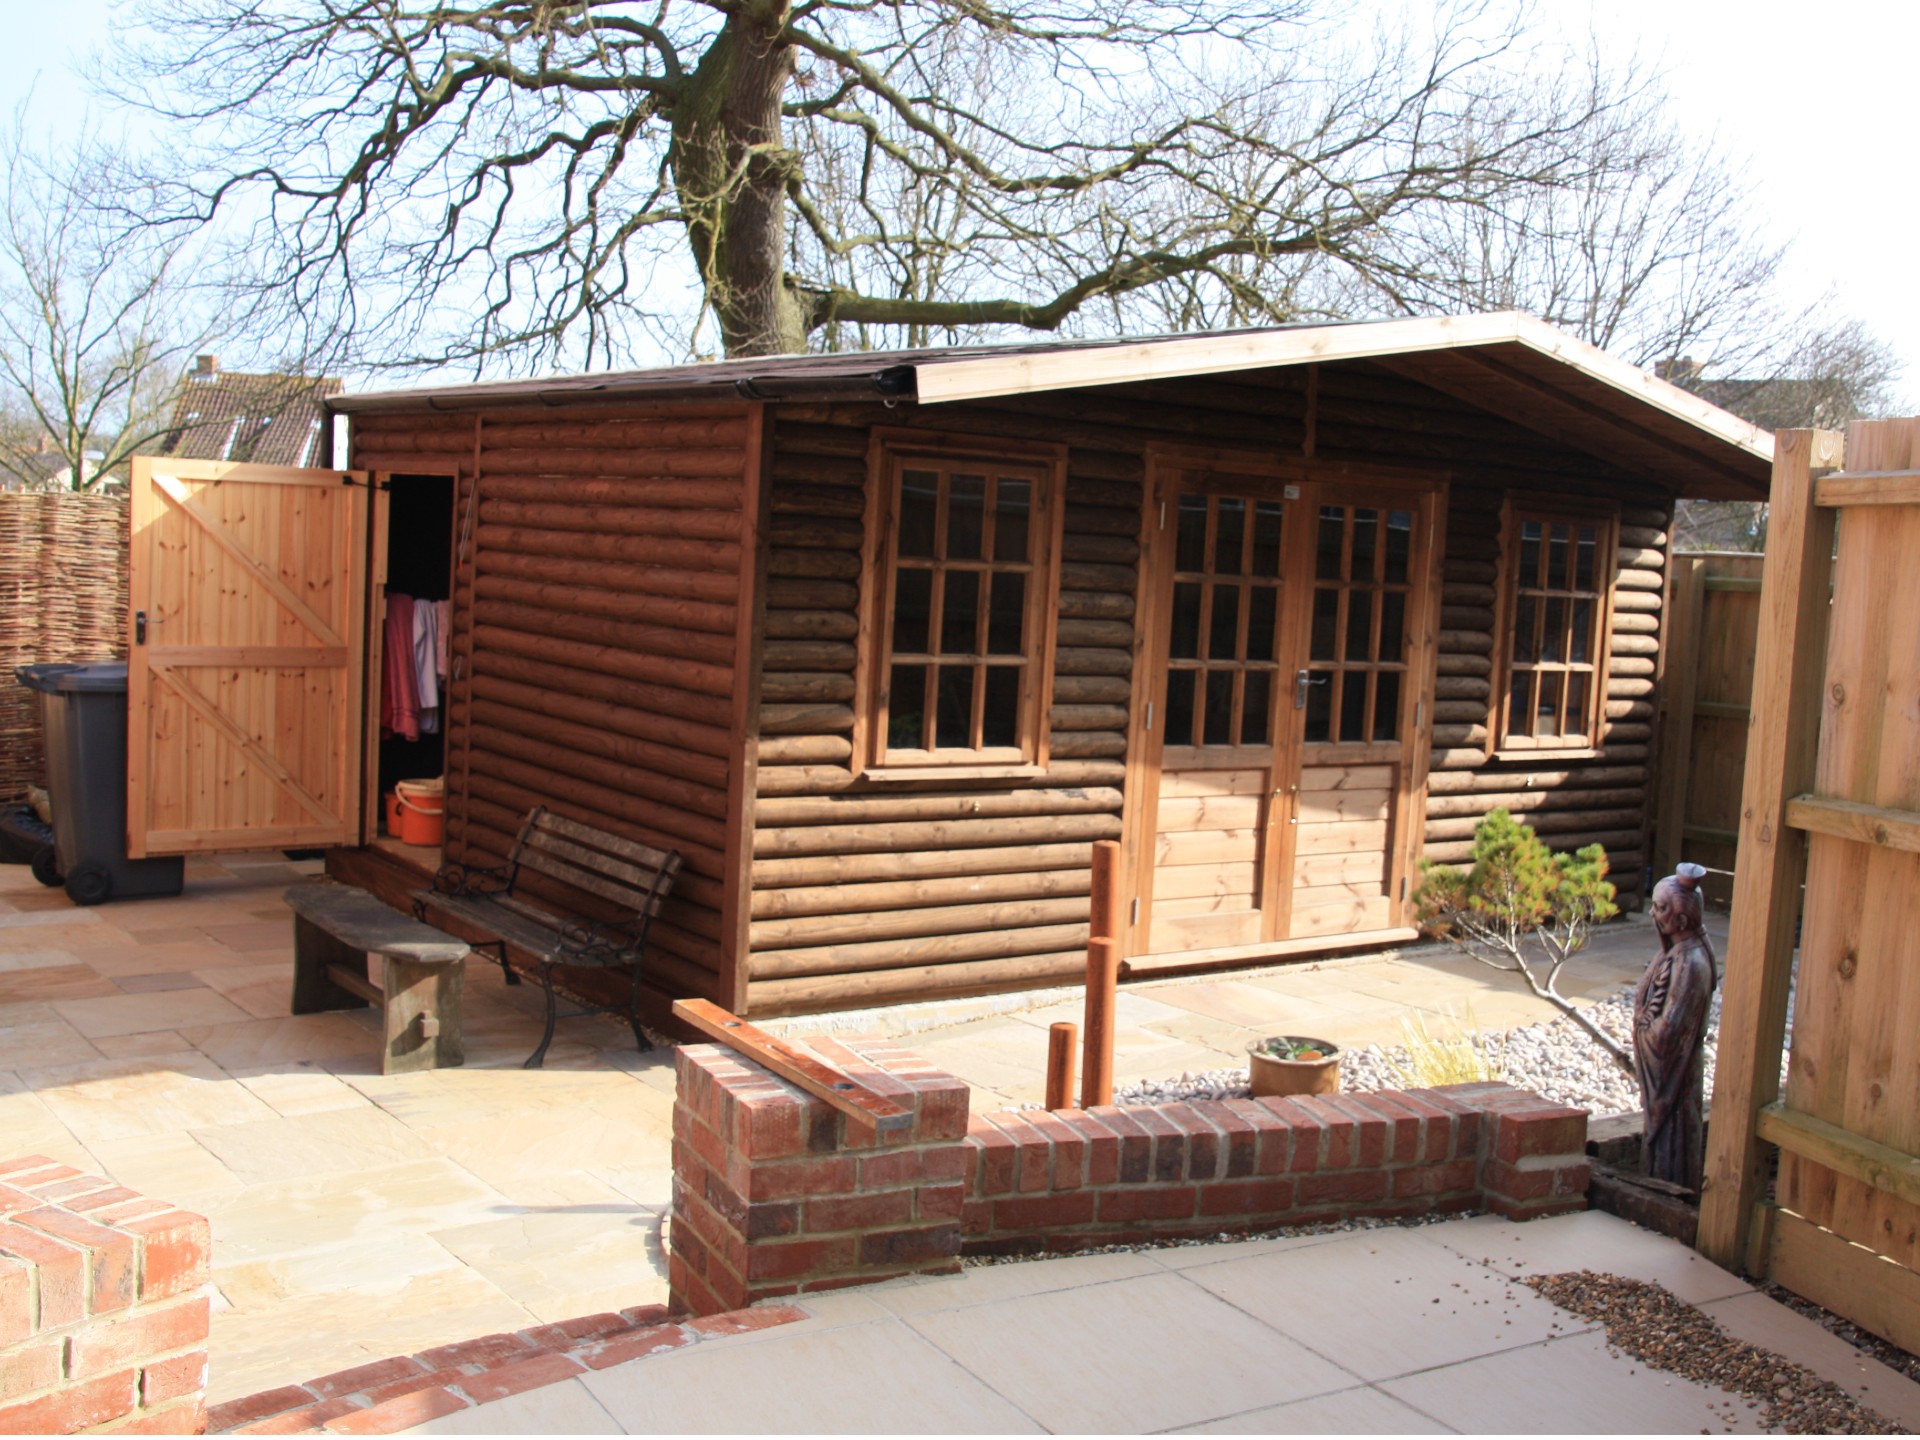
[
  {"x": 1301, "y": 680},
  {"x": 139, "y": 627}
]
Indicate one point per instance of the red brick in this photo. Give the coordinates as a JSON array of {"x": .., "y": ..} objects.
[
  {"x": 1136, "y": 1142},
  {"x": 1544, "y": 1131},
  {"x": 1103, "y": 1146},
  {"x": 1250, "y": 1198},
  {"x": 26, "y": 1368},
  {"x": 165, "y": 1380},
  {"x": 796, "y": 1179},
  {"x": 1436, "y": 1126},
  {"x": 910, "y": 1247},
  {"x": 401, "y": 1413},
  {"x": 565, "y": 1334},
  {"x": 645, "y": 1314},
  {"x": 1206, "y": 1146},
  {"x": 925, "y": 1164},
  {"x": 1033, "y": 1156},
  {"x": 76, "y": 1407},
  {"x": 939, "y": 1202},
  {"x": 768, "y": 1127},
  {"x": 66, "y": 1190},
  {"x": 976, "y": 1217},
  {"x": 130, "y": 1339},
  {"x": 1514, "y": 1183},
  {"x": 13, "y": 1201},
  {"x": 787, "y": 1259},
  {"x": 1352, "y": 1188},
  {"x": 232, "y": 1414},
  {"x": 182, "y": 1417},
  {"x": 292, "y": 1422},
  {"x": 1241, "y": 1134},
  {"x": 21, "y": 1167},
  {"x": 101, "y": 1199},
  {"x": 1454, "y": 1175},
  {"x": 1172, "y": 1202},
  {"x": 943, "y": 1111},
  {"x": 377, "y": 1374},
  {"x": 1169, "y": 1141},
  {"x": 1340, "y": 1149},
  {"x": 1533, "y": 1209},
  {"x": 448, "y": 1375},
  {"x": 175, "y": 1247},
  {"x": 16, "y": 1300},
  {"x": 519, "y": 1375},
  {"x": 1401, "y": 1139},
  {"x": 40, "y": 1173},
  {"x": 1039, "y": 1212},
  {"x": 739, "y": 1322},
  {"x": 63, "y": 1273},
  {"x": 650, "y": 1340},
  {"x": 859, "y": 1212},
  {"x": 493, "y": 1349},
  {"x": 1069, "y": 1150},
  {"x": 112, "y": 1255},
  {"x": 694, "y": 1219}
]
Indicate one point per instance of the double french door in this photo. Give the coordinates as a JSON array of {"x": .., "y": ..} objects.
[{"x": 1287, "y": 627}]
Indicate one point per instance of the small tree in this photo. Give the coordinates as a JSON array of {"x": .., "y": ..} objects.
[{"x": 1521, "y": 906}]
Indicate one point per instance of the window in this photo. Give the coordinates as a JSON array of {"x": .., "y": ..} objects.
[
  {"x": 963, "y": 548},
  {"x": 1558, "y": 573},
  {"x": 1223, "y": 656},
  {"x": 1357, "y": 652}
]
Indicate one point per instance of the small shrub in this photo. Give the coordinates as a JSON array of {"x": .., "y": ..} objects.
[{"x": 1466, "y": 1055}]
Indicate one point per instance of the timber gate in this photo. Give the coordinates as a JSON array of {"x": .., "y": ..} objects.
[{"x": 1832, "y": 798}]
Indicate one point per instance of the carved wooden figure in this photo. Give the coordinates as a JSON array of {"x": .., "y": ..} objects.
[{"x": 1670, "y": 1009}]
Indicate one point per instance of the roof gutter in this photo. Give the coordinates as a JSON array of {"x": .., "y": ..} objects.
[{"x": 895, "y": 382}]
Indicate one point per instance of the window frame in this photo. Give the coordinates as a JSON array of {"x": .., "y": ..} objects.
[
  {"x": 1516, "y": 510},
  {"x": 890, "y": 452}
]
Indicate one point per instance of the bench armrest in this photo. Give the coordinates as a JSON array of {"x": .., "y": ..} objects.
[{"x": 473, "y": 880}]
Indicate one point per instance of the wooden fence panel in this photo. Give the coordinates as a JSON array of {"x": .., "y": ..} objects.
[{"x": 1843, "y": 1226}]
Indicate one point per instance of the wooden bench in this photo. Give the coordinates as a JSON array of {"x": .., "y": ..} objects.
[
  {"x": 636, "y": 879},
  {"x": 337, "y": 930}
]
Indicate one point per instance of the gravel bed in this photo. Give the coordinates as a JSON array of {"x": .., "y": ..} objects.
[
  {"x": 1647, "y": 1322},
  {"x": 1865, "y": 1341}
]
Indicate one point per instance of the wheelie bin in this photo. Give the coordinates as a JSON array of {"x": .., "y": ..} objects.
[{"x": 83, "y": 714}]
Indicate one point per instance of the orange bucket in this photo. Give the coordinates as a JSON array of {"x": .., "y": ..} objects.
[
  {"x": 393, "y": 813},
  {"x": 422, "y": 805}
]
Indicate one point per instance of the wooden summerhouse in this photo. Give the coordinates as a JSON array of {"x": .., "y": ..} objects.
[{"x": 882, "y": 643}]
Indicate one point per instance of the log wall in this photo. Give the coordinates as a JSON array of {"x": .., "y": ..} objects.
[
  {"x": 871, "y": 894},
  {"x": 598, "y": 573}
]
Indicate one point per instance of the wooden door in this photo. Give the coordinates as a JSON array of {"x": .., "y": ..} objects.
[
  {"x": 1287, "y": 632},
  {"x": 1363, "y": 642},
  {"x": 246, "y": 662}
]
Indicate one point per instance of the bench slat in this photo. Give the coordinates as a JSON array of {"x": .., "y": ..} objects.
[
  {"x": 556, "y": 868},
  {"x": 629, "y": 849},
  {"x": 363, "y": 922},
  {"x": 638, "y": 881}
]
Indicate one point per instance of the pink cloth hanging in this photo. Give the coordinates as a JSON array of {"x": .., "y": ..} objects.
[{"x": 399, "y": 691}]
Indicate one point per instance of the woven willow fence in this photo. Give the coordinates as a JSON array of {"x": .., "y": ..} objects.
[{"x": 63, "y": 596}]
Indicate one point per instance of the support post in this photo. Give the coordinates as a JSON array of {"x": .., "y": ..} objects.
[
  {"x": 1103, "y": 975},
  {"x": 1782, "y": 749},
  {"x": 1063, "y": 1038}
]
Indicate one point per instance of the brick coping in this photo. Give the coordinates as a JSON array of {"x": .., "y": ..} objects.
[{"x": 383, "y": 1397}]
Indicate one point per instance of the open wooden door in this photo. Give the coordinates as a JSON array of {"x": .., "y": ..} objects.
[{"x": 246, "y": 658}]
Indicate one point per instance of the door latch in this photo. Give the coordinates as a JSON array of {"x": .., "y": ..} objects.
[
  {"x": 139, "y": 627},
  {"x": 1301, "y": 680}
]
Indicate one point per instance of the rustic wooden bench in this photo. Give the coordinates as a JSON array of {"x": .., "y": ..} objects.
[
  {"x": 635, "y": 878},
  {"x": 337, "y": 930}
]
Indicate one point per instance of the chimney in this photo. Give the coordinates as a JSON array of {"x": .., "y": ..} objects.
[{"x": 206, "y": 367}]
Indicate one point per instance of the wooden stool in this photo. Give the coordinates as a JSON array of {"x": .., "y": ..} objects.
[{"x": 337, "y": 930}]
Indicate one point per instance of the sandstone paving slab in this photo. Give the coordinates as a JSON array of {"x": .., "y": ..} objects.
[
  {"x": 33, "y": 958},
  {"x": 1138, "y": 1333},
  {"x": 125, "y": 956},
  {"x": 28, "y": 1127},
  {"x": 1386, "y": 1302},
  {"x": 1187, "y": 1257},
  {"x": 581, "y": 1260},
  {"x": 1570, "y": 1386},
  {"x": 248, "y": 1043},
  {"x": 989, "y": 1284},
  {"x": 162, "y": 980},
  {"x": 1236, "y": 1002},
  {"x": 314, "y": 1144},
  {"x": 141, "y": 1043},
  {"x": 568, "y": 1408},
  {"x": 171, "y": 1166},
  {"x": 72, "y": 981},
  {"x": 38, "y": 1035},
  {"x": 1760, "y": 1320},
  {"x": 168, "y": 1010},
  {"x": 874, "y": 1379},
  {"x": 1361, "y": 1411},
  {"x": 299, "y": 1089},
  {"x": 143, "y": 1095},
  {"x": 1593, "y": 1240}
]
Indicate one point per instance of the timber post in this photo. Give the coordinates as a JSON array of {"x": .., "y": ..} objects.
[
  {"x": 1062, "y": 1038},
  {"x": 1103, "y": 975}
]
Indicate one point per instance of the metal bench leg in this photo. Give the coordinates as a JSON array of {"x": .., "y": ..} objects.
[
  {"x": 633, "y": 1015},
  {"x": 499, "y": 948},
  {"x": 539, "y": 1056}
]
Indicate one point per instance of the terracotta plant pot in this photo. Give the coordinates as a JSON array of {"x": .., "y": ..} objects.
[{"x": 1273, "y": 1076}]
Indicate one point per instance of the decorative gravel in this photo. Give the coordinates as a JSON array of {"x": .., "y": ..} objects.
[
  {"x": 1647, "y": 1322},
  {"x": 1224, "y": 1237}
]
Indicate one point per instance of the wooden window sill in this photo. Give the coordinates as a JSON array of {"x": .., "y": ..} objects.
[
  {"x": 901, "y": 774},
  {"x": 1549, "y": 752}
]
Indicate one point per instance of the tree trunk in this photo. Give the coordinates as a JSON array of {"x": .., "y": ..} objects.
[{"x": 730, "y": 167}]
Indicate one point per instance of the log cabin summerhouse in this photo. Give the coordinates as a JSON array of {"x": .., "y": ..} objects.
[{"x": 883, "y": 642}]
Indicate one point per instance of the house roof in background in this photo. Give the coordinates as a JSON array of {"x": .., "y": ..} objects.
[
  {"x": 1509, "y": 364},
  {"x": 272, "y": 419}
]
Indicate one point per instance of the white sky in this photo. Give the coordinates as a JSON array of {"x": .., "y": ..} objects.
[{"x": 1815, "y": 99}]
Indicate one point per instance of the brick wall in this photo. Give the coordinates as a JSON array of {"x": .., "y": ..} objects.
[
  {"x": 771, "y": 1197},
  {"x": 103, "y": 1306}
]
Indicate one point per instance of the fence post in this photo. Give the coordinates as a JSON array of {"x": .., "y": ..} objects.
[
  {"x": 1103, "y": 975},
  {"x": 1063, "y": 1037}
]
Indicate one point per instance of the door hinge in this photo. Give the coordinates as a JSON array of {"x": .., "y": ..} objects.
[
  {"x": 1403, "y": 887},
  {"x": 1149, "y": 724},
  {"x": 1163, "y": 514},
  {"x": 1133, "y": 911},
  {"x": 1419, "y": 708}
]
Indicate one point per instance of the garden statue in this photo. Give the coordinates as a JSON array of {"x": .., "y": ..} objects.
[{"x": 1670, "y": 1007}]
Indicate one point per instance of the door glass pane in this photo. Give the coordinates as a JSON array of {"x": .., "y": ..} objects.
[
  {"x": 1000, "y": 724},
  {"x": 1558, "y": 574},
  {"x": 1552, "y": 629},
  {"x": 1007, "y": 615},
  {"x": 912, "y": 607},
  {"x": 1190, "y": 549},
  {"x": 1219, "y": 721},
  {"x": 1320, "y": 708},
  {"x": 966, "y": 510},
  {"x": 1179, "y": 729},
  {"x": 1359, "y": 623},
  {"x": 1230, "y": 536},
  {"x": 1577, "y": 703},
  {"x": 1223, "y": 631},
  {"x": 1529, "y": 552},
  {"x": 960, "y": 616},
  {"x": 1582, "y": 637},
  {"x": 1012, "y": 503},
  {"x": 1584, "y": 560},
  {"x": 1266, "y": 539},
  {"x": 1393, "y": 624},
  {"x": 1526, "y": 618},
  {"x": 1546, "y": 722},
  {"x": 1520, "y": 705},
  {"x": 1326, "y": 563},
  {"x": 1353, "y": 705},
  {"x": 1366, "y": 540},
  {"x": 919, "y": 492},
  {"x": 1399, "y": 546},
  {"x": 955, "y": 725},
  {"x": 1185, "y": 641},
  {"x": 1386, "y": 706},
  {"x": 907, "y": 707},
  {"x": 1258, "y": 708},
  {"x": 1260, "y": 623},
  {"x": 1326, "y": 617}
]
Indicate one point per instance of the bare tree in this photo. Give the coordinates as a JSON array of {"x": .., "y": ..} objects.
[
  {"x": 549, "y": 179},
  {"x": 95, "y": 323}
]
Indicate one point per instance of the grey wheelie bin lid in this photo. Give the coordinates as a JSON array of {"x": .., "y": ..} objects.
[{"x": 97, "y": 679}]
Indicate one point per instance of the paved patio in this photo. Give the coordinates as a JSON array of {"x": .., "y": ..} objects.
[
  {"x": 1388, "y": 1331},
  {"x": 357, "y": 1217}
]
